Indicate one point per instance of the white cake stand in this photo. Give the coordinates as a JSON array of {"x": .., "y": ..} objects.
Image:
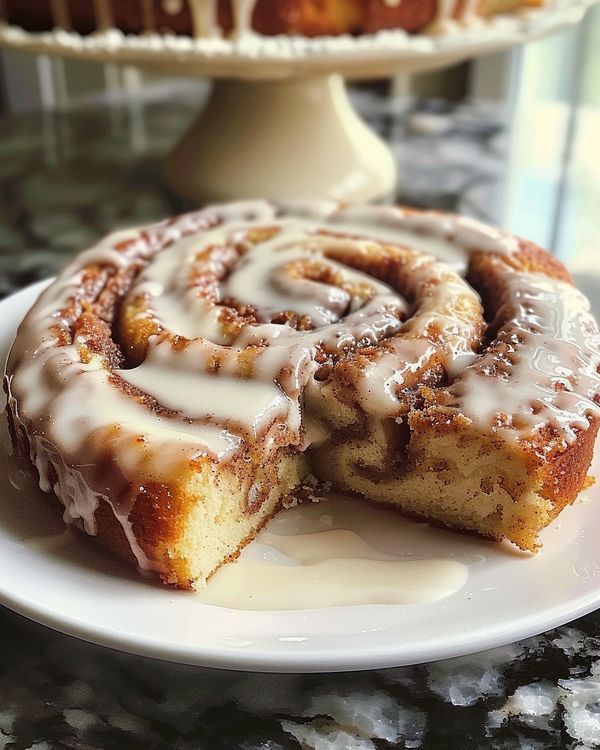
[{"x": 279, "y": 123}]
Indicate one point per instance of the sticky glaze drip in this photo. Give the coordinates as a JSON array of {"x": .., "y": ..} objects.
[
  {"x": 204, "y": 18},
  {"x": 470, "y": 13},
  {"x": 443, "y": 20},
  {"x": 449, "y": 14},
  {"x": 70, "y": 487},
  {"x": 205, "y": 21},
  {"x": 249, "y": 314},
  {"x": 330, "y": 562},
  {"x": 282, "y": 273},
  {"x": 337, "y": 582},
  {"x": 549, "y": 366},
  {"x": 205, "y": 398},
  {"x": 242, "y": 17}
]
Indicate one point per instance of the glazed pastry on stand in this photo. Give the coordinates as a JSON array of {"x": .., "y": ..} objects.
[
  {"x": 237, "y": 18},
  {"x": 279, "y": 123}
]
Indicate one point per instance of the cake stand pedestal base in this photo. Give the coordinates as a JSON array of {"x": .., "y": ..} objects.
[{"x": 283, "y": 140}]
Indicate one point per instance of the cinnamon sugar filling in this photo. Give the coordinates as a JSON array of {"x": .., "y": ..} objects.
[{"x": 245, "y": 335}]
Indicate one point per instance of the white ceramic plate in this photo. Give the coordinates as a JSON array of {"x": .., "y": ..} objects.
[{"x": 79, "y": 590}]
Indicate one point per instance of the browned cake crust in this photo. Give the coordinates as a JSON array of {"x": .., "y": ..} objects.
[
  {"x": 270, "y": 17},
  {"x": 474, "y": 433},
  {"x": 157, "y": 515}
]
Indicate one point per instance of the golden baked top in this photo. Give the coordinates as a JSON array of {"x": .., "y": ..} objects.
[
  {"x": 212, "y": 18},
  {"x": 275, "y": 297},
  {"x": 191, "y": 340}
]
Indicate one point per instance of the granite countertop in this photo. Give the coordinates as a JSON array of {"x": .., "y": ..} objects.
[{"x": 65, "y": 179}]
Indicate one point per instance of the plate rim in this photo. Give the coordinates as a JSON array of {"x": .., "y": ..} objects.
[
  {"x": 314, "y": 660},
  {"x": 240, "y": 660}
]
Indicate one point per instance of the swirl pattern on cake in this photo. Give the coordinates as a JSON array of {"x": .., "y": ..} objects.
[{"x": 179, "y": 383}]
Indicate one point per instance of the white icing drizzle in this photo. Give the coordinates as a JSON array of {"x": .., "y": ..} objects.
[
  {"x": 470, "y": 14},
  {"x": 446, "y": 236},
  {"x": 61, "y": 17},
  {"x": 443, "y": 20},
  {"x": 69, "y": 486},
  {"x": 550, "y": 368},
  {"x": 227, "y": 387},
  {"x": 337, "y": 569},
  {"x": 73, "y": 491},
  {"x": 264, "y": 278},
  {"x": 449, "y": 12},
  {"x": 242, "y": 17},
  {"x": 332, "y": 555},
  {"x": 171, "y": 380},
  {"x": 407, "y": 357},
  {"x": 205, "y": 22}
]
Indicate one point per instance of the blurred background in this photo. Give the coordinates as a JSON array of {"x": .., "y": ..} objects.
[{"x": 511, "y": 138}]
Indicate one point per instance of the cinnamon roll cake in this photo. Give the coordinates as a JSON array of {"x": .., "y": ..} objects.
[
  {"x": 211, "y": 18},
  {"x": 177, "y": 384}
]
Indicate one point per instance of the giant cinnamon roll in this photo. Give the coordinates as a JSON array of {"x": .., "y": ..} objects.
[
  {"x": 178, "y": 383},
  {"x": 213, "y": 18}
]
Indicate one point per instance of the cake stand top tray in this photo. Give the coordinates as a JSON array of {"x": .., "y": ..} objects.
[
  {"x": 271, "y": 58},
  {"x": 279, "y": 123}
]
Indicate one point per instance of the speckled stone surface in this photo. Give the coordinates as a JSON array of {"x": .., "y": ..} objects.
[
  {"x": 541, "y": 694},
  {"x": 65, "y": 179}
]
